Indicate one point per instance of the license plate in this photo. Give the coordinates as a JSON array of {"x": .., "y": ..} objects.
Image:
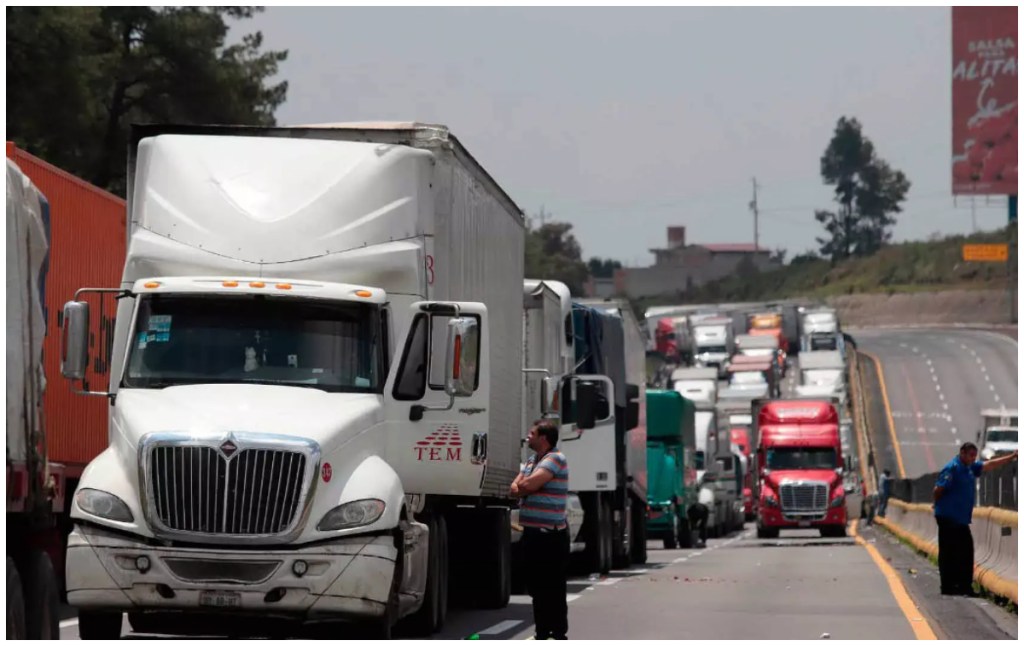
[
  {"x": 805, "y": 523},
  {"x": 220, "y": 599}
]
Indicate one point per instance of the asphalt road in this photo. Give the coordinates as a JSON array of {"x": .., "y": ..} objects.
[
  {"x": 938, "y": 381},
  {"x": 798, "y": 586}
]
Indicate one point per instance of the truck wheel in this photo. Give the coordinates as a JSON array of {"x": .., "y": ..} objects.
[
  {"x": 767, "y": 532},
  {"x": 592, "y": 558},
  {"x": 608, "y": 535},
  {"x": 670, "y": 540},
  {"x": 444, "y": 573},
  {"x": 42, "y": 598},
  {"x": 493, "y": 591},
  {"x": 425, "y": 621},
  {"x": 15, "y": 603},
  {"x": 639, "y": 533},
  {"x": 94, "y": 624},
  {"x": 623, "y": 536},
  {"x": 685, "y": 534}
]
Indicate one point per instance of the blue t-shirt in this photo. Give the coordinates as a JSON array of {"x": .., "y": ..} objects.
[{"x": 957, "y": 481}]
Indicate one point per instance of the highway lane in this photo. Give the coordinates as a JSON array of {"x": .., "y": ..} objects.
[
  {"x": 798, "y": 586},
  {"x": 938, "y": 381}
]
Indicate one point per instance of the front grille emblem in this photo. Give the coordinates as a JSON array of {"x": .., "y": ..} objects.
[{"x": 228, "y": 448}]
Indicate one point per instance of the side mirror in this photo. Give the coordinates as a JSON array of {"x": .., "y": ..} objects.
[
  {"x": 549, "y": 395},
  {"x": 74, "y": 357},
  {"x": 632, "y": 406},
  {"x": 849, "y": 489},
  {"x": 462, "y": 357},
  {"x": 586, "y": 405}
]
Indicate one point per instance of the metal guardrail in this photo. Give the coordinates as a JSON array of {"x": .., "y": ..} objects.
[{"x": 997, "y": 488}]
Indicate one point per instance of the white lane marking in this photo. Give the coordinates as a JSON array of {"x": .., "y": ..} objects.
[
  {"x": 938, "y": 387},
  {"x": 953, "y": 430},
  {"x": 67, "y": 623},
  {"x": 978, "y": 359},
  {"x": 987, "y": 379},
  {"x": 639, "y": 571},
  {"x": 681, "y": 559},
  {"x": 501, "y": 627},
  {"x": 569, "y": 598},
  {"x": 997, "y": 397},
  {"x": 945, "y": 406},
  {"x": 608, "y": 582},
  {"x": 991, "y": 387},
  {"x": 963, "y": 346},
  {"x": 942, "y": 397},
  {"x": 928, "y": 361},
  {"x": 935, "y": 379}
]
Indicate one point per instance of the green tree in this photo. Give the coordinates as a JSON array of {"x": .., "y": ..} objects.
[
  {"x": 552, "y": 252},
  {"x": 867, "y": 190},
  {"x": 77, "y": 77},
  {"x": 603, "y": 267}
]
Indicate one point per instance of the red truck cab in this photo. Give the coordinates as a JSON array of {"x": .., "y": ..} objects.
[{"x": 799, "y": 462}]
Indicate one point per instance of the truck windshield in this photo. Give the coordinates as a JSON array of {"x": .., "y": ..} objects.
[
  {"x": 746, "y": 378},
  {"x": 822, "y": 377},
  {"x": 1002, "y": 435},
  {"x": 823, "y": 343},
  {"x": 711, "y": 349},
  {"x": 188, "y": 339},
  {"x": 801, "y": 458}
]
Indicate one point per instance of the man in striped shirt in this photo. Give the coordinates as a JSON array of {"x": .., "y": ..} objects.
[{"x": 543, "y": 488}]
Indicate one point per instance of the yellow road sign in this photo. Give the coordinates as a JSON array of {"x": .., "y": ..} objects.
[{"x": 986, "y": 252}]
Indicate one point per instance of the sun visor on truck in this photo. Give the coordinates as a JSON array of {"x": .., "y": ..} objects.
[{"x": 600, "y": 347}]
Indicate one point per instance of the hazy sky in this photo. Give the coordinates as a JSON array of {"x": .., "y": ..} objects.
[{"x": 625, "y": 121}]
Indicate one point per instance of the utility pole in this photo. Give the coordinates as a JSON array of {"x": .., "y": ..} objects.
[{"x": 753, "y": 209}]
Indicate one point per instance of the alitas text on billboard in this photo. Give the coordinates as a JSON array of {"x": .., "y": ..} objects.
[{"x": 985, "y": 100}]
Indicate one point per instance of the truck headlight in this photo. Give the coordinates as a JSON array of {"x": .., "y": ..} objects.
[
  {"x": 103, "y": 505},
  {"x": 771, "y": 500},
  {"x": 838, "y": 501},
  {"x": 352, "y": 514}
]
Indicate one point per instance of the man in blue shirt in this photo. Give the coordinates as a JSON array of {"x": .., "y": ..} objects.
[
  {"x": 954, "y": 507},
  {"x": 884, "y": 491}
]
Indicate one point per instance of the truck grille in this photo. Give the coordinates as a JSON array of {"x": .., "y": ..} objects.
[
  {"x": 803, "y": 497},
  {"x": 253, "y": 492}
]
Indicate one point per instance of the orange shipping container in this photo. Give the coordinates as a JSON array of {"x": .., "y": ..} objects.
[{"x": 87, "y": 249}]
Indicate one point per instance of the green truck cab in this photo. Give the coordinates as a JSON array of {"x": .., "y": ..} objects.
[{"x": 671, "y": 467}]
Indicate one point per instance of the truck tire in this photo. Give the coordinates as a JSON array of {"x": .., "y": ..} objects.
[
  {"x": 639, "y": 535},
  {"x": 767, "y": 532},
  {"x": 623, "y": 536},
  {"x": 685, "y": 533},
  {"x": 592, "y": 558},
  {"x": 496, "y": 540},
  {"x": 94, "y": 624},
  {"x": 426, "y": 620},
  {"x": 608, "y": 535},
  {"x": 15, "y": 603},
  {"x": 445, "y": 573},
  {"x": 42, "y": 598},
  {"x": 671, "y": 539}
]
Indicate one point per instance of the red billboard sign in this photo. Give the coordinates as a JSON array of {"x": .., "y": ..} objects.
[{"x": 985, "y": 100}]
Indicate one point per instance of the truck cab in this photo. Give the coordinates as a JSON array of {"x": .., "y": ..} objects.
[
  {"x": 712, "y": 343},
  {"x": 672, "y": 467},
  {"x": 998, "y": 435},
  {"x": 799, "y": 467}
]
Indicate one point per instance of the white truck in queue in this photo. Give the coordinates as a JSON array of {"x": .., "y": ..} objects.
[
  {"x": 819, "y": 329},
  {"x": 608, "y": 465},
  {"x": 315, "y": 395},
  {"x": 822, "y": 374},
  {"x": 712, "y": 342}
]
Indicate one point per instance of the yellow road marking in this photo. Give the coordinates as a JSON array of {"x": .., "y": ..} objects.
[
  {"x": 888, "y": 412},
  {"x": 917, "y": 622}
]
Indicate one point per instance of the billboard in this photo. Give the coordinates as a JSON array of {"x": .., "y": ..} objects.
[{"x": 984, "y": 100}]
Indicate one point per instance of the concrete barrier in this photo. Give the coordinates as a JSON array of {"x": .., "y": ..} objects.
[{"x": 995, "y": 541}]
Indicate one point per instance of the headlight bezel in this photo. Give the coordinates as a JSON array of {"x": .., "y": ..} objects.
[
  {"x": 370, "y": 510},
  {"x": 89, "y": 501}
]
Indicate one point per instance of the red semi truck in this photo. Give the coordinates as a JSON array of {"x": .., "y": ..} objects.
[
  {"x": 799, "y": 467},
  {"x": 61, "y": 233}
]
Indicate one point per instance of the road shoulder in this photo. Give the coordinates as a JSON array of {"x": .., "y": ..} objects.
[{"x": 949, "y": 617}]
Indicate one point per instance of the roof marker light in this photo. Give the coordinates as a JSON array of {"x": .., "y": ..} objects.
[
  {"x": 362, "y": 293},
  {"x": 230, "y": 283},
  {"x": 151, "y": 285},
  {"x": 257, "y": 284},
  {"x": 283, "y": 285}
]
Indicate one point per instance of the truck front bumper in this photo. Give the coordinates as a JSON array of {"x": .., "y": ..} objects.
[
  {"x": 349, "y": 578},
  {"x": 775, "y": 517}
]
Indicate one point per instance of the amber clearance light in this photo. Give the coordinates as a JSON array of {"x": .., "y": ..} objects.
[
  {"x": 283, "y": 286},
  {"x": 230, "y": 283},
  {"x": 362, "y": 293},
  {"x": 151, "y": 285},
  {"x": 257, "y": 284}
]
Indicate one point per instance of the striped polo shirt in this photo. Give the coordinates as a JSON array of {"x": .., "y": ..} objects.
[{"x": 546, "y": 508}]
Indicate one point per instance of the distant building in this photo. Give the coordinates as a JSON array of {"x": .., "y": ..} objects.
[{"x": 679, "y": 267}]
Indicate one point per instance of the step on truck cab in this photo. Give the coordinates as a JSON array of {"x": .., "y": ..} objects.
[
  {"x": 315, "y": 387},
  {"x": 671, "y": 466},
  {"x": 799, "y": 467}
]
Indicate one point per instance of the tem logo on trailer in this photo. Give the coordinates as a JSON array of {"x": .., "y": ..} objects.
[{"x": 443, "y": 445}]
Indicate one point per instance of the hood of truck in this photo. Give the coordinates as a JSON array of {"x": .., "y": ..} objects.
[
  {"x": 330, "y": 419},
  {"x": 777, "y": 478}
]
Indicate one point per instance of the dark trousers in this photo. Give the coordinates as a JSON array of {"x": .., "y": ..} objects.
[
  {"x": 547, "y": 557},
  {"x": 698, "y": 515},
  {"x": 956, "y": 556},
  {"x": 883, "y": 504}
]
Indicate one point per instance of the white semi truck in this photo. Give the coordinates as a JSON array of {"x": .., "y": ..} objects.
[
  {"x": 611, "y": 479},
  {"x": 713, "y": 343},
  {"x": 316, "y": 389}
]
